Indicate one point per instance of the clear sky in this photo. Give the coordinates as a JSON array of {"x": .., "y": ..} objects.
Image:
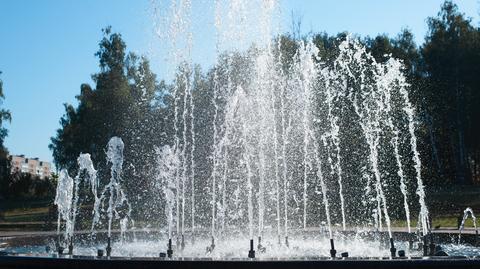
[{"x": 47, "y": 46}]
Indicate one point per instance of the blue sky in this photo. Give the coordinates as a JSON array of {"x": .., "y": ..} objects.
[{"x": 47, "y": 46}]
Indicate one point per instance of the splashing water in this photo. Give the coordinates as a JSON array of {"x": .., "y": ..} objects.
[
  {"x": 295, "y": 141},
  {"x": 68, "y": 195},
  {"x": 117, "y": 200},
  {"x": 466, "y": 212},
  {"x": 85, "y": 164},
  {"x": 167, "y": 162},
  {"x": 270, "y": 110},
  {"x": 63, "y": 201}
]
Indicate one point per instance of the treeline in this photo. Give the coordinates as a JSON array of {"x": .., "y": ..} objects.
[
  {"x": 129, "y": 101},
  {"x": 443, "y": 73}
]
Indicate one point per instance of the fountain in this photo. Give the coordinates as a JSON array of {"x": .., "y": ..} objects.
[
  {"x": 468, "y": 211},
  {"x": 301, "y": 157}
]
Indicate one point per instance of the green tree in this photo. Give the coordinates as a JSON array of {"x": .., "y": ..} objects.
[
  {"x": 127, "y": 102},
  {"x": 451, "y": 65},
  {"x": 4, "y": 160}
]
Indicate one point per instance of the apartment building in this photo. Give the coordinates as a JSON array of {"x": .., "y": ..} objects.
[{"x": 32, "y": 166}]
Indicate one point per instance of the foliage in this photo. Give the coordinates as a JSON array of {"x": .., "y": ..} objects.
[
  {"x": 128, "y": 101},
  {"x": 451, "y": 63},
  {"x": 4, "y": 116},
  {"x": 4, "y": 161}
]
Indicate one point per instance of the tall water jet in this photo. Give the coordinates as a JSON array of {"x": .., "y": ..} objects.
[
  {"x": 192, "y": 160},
  {"x": 408, "y": 108},
  {"x": 387, "y": 83},
  {"x": 275, "y": 144},
  {"x": 87, "y": 174},
  {"x": 229, "y": 116},
  {"x": 167, "y": 162},
  {"x": 180, "y": 39},
  {"x": 323, "y": 188},
  {"x": 331, "y": 139},
  {"x": 284, "y": 136},
  {"x": 63, "y": 201},
  {"x": 117, "y": 200},
  {"x": 186, "y": 93},
  {"x": 369, "y": 107},
  {"x": 277, "y": 132},
  {"x": 85, "y": 164},
  {"x": 248, "y": 171},
  {"x": 68, "y": 194}
]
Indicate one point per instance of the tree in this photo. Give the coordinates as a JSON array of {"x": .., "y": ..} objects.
[
  {"x": 101, "y": 111},
  {"x": 4, "y": 116},
  {"x": 4, "y": 160},
  {"x": 126, "y": 102},
  {"x": 451, "y": 65}
]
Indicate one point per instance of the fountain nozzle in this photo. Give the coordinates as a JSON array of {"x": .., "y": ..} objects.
[
  {"x": 251, "y": 253},
  {"x": 425, "y": 246},
  {"x": 333, "y": 252},
  {"x": 59, "y": 248},
  {"x": 410, "y": 244},
  {"x": 182, "y": 245},
  {"x": 261, "y": 248},
  {"x": 169, "y": 250},
  {"x": 476, "y": 237},
  {"x": 70, "y": 248},
  {"x": 393, "y": 250},
  {"x": 109, "y": 247},
  {"x": 212, "y": 246},
  {"x": 432, "y": 245}
]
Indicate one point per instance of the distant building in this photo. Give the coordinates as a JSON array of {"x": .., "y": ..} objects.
[{"x": 32, "y": 166}]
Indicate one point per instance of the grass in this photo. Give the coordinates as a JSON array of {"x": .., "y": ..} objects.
[
  {"x": 439, "y": 222},
  {"x": 25, "y": 214},
  {"x": 445, "y": 204}
]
